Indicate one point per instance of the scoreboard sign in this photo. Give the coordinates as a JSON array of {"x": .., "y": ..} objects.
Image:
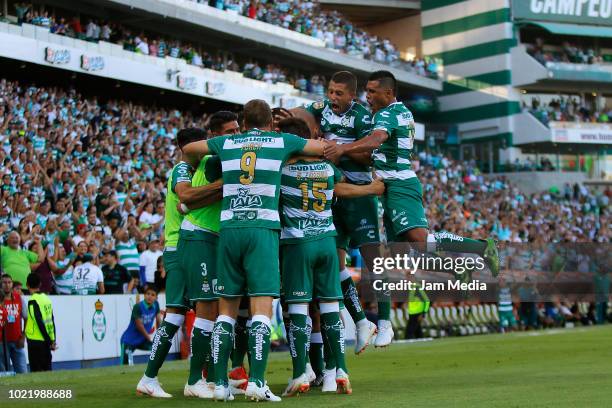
[{"x": 593, "y": 12}]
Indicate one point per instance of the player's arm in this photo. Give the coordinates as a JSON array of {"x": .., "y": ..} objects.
[
  {"x": 194, "y": 151},
  {"x": 366, "y": 145},
  {"x": 314, "y": 147},
  {"x": 197, "y": 197},
  {"x": 101, "y": 289},
  {"x": 347, "y": 190}
]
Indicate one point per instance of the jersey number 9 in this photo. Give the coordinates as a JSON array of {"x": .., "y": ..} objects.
[{"x": 247, "y": 165}]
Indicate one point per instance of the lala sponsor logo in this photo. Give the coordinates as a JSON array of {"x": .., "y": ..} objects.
[{"x": 245, "y": 199}]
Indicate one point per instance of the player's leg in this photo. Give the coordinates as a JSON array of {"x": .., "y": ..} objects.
[
  {"x": 296, "y": 272},
  {"x": 177, "y": 303},
  {"x": 231, "y": 282},
  {"x": 261, "y": 263},
  {"x": 410, "y": 225},
  {"x": 206, "y": 314},
  {"x": 221, "y": 345},
  {"x": 315, "y": 353},
  {"x": 238, "y": 376},
  {"x": 359, "y": 216},
  {"x": 327, "y": 291},
  {"x": 200, "y": 249}
]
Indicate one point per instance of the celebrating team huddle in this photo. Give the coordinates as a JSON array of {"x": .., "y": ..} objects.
[{"x": 269, "y": 212}]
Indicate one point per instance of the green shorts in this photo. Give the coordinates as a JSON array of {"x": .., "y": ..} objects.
[
  {"x": 310, "y": 271},
  {"x": 403, "y": 207},
  {"x": 356, "y": 220},
  {"x": 198, "y": 262},
  {"x": 248, "y": 262},
  {"x": 506, "y": 319},
  {"x": 176, "y": 285}
]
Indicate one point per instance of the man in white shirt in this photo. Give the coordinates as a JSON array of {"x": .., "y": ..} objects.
[
  {"x": 148, "y": 260},
  {"x": 88, "y": 279}
]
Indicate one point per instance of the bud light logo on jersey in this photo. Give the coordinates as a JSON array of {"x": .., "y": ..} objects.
[
  {"x": 215, "y": 88},
  {"x": 89, "y": 63},
  {"x": 186, "y": 83},
  {"x": 57, "y": 56}
]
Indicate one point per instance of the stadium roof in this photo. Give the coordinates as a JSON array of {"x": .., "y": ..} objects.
[{"x": 573, "y": 29}]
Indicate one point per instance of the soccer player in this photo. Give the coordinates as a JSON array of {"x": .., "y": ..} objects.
[
  {"x": 309, "y": 261},
  {"x": 180, "y": 191},
  {"x": 343, "y": 120},
  {"x": 392, "y": 141},
  {"x": 197, "y": 247},
  {"x": 248, "y": 241}
]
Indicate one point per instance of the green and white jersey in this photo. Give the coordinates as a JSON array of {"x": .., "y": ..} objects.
[
  {"x": 64, "y": 282},
  {"x": 353, "y": 125},
  {"x": 207, "y": 217},
  {"x": 251, "y": 165},
  {"x": 392, "y": 159},
  {"x": 181, "y": 173},
  {"x": 307, "y": 191},
  {"x": 505, "y": 300},
  {"x": 128, "y": 255}
]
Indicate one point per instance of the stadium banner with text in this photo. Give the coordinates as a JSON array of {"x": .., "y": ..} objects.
[
  {"x": 554, "y": 272},
  {"x": 579, "y": 133},
  {"x": 594, "y": 12}
]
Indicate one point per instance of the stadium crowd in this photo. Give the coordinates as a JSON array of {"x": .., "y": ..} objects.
[
  {"x": 568, "y": 52},
  {"x": 337, "y": 33},
  {"x": 84, "y": 180},
  {"x": 566, "y": 109}
]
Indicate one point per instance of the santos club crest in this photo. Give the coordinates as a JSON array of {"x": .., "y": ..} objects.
[{"x": 98, "y": 322}]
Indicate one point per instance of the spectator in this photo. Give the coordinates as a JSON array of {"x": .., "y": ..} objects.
[
  {"x": 128, "y": 253},
  {"x": 139, "y": 334},
  {"x": 17, "y": 262},
  {"x": 148, "y": 261},
  {"x": 14, "y": 310},
  {"x": 117, "y": 280},
  {"x": 87, "y": 278},
  {"x": 40, "y": 327},
  {"x": 61, "y": 266}
]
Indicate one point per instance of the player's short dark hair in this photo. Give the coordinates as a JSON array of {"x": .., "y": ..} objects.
[
  {"x": 257, "y": 114},
  {"x": 6, "y": 275},
  {"x": 33, "y": 281},
  {"x": 218, "y": 119},
  {"x": 189, "y": 135},
  {"x": 346, "y": 78},
  {"x": 385, "y": 79},
  {"x": 295, "y": 126}
]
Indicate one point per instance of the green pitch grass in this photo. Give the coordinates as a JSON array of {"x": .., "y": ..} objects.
[{"x": 554, "y": 368}]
